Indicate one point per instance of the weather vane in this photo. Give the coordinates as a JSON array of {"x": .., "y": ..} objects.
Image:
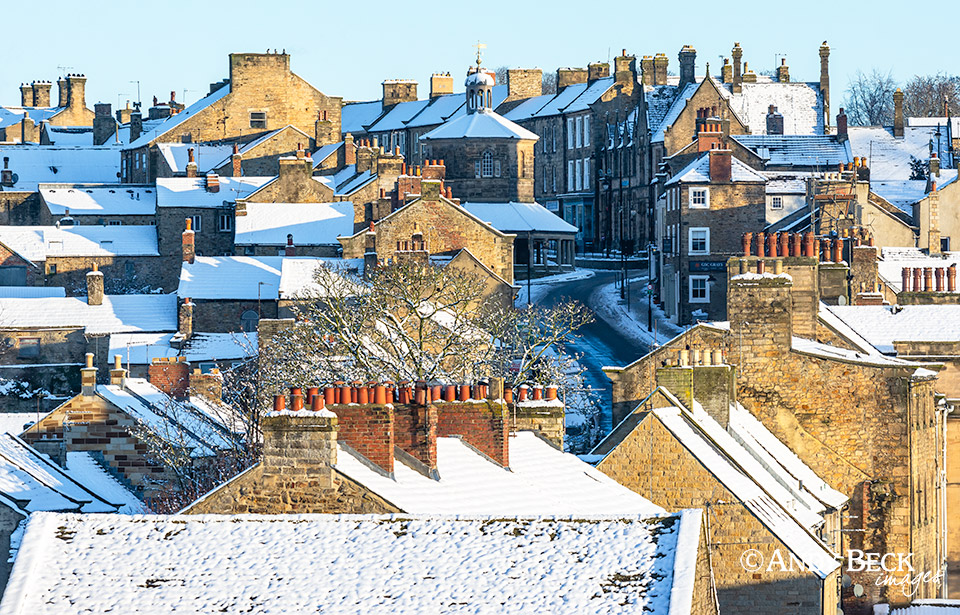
[{"x": 480, "y": 47}]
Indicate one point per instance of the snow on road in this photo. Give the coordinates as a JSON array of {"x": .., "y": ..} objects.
[{"x": 605, "y": 302}]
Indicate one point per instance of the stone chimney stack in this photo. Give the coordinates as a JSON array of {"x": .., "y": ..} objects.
[
  {"x": 774, "y": 121},
  {"x": 349, "y": 150},
  {"x": 570, "y": 76},
  {"x": 26, "y": 95},
  {"x": 783, "y": 71},
  {"x": 933, "y": 235},
  {"x": 185, "y": 319},
  {"x": 188, "y": 244},
  {"x": 88, "y": 377},
  {"x": 95, "y": 286},
  {"x": 325, "y": 130},
  {"x": 398, "y": 90},
  {"x": 104, "y": 126},
  {"x": 688, "y": 65},
  {"x": 625, "y": 71},
  {"x": 726, "y": 71},
  {"x": 825, "y": 85},
  {"x": 118, "y": 375},
  {"x": 41, "y": 93},
  {"x": 760, "y": 310},
  {"x": 712, "y": 384},
  {"x": 191, "y": 163},
  {"x": 136, "y": 124},
  {"x": 660, "y": 65},
  {"x": 63, "y": 95},
  {"x": 208, "y": 385},
  {"x": 236, "y": 161},
  {"x": 76, "y": 91},
  {"x": 440, "y": 84},
  {"x": 646, "y": 70},
  {"x": 898, "y": 114},
  {"x": 597, "y": 70},
  {"x": 737, "y": 54},
  {"x": 6, "y": 175},
  {"x": 720, "y": 166},
  {"x": 299, "y": 447},
  {"x": 524, "y": 83}
]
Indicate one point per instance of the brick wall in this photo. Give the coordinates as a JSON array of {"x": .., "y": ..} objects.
[
  {"x": 481, "y": 424},
  {"x": 369, "y": 430},
  {"x": 171, "y": 377},
  {"x": 415, "y": 432}
]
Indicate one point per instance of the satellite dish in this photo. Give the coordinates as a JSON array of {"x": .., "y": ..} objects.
[
  {"x": 15, "y": 178},
  {"x": 846, "y": 580},
  {"x": 841, "y": 300},
  {"x": 858, "y": 590}
]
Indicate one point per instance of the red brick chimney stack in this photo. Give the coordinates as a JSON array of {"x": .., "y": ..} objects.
[
  {"x": 236, "y": 159},
  {"x": 720, "y": 165},
  {"x": 191, "y": 163},
  {"x": 290, "y": 249}
]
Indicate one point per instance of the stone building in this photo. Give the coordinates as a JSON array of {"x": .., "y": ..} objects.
[
  {"x": 119, "y": 420},
  {"x": 701, "y": 449},
  {"x": 23, "y": 124},
  {"x": 260, "y": 96},
  {"x": 62, "y": 256},
  {"x": 883, "y": 448},
  {"x": 699, "y": 225},
  {"x": 98, "y": 204}
]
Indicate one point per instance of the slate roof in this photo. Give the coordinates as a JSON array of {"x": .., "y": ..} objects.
[
  {"x": 43, "y": 164},
  {"x": 698, "y": 172},
  {"x": 192, "y": 191},
  {"x": 889, "y": 157},
  {"x": 173, "y": 121},
  {"x": 309, "y": 223},
  {"x": 266, "y": 278},
  {"x": 117, "y": 314},
  {"x": 480, "y": 125},
  {"x": 817, "y": 152},
  {"x": 516, "y": 217},
  {"x": 94, "y": 199}
]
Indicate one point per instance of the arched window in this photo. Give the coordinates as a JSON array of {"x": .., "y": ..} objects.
[
  {"x": 486, "y": 164},
  {"x": 249, "y": 321}
]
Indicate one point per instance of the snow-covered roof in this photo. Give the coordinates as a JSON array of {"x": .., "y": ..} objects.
[
  {"x": 325, "y": 152},
  {"x": 43, "y": 164},
  {"x": 72, "y": 135},
  {"x": 787, "y": 182},
  {"x": 516, "y": 217},
  {"x": 831, "y": 320},
  {"x": 29, "y": 477},
  {"x": 10, "y": 114},
  {"x": 251, "y": 277},
  {"x": 712, "y": 448},
  {"x": 179, "y": 422},
  {"x": 173, "y": 121},
  {"x": 192, "y": 191},
  {"x": 206, "y": 156},
  {"x": 441, "y": 109},
  {"x": 590, "y": 95},
  {"x": 31, "y": 292},
  {"x": 698, "y": 172},
  {"x": 659, "y": 99},
  {"x": 937, "y": 121},
  {"x": 37, "y": 243},
  {"x": 563, "y": 98},
  {"x": 889, "y": 157},
  {"x": 83, "y": 468},
  {"x": 799, "y": 103},
  {"x": 380, "y": 565},
  {"x": 893, "y": 260},
  {"x": 541, "y": 481},
  {"x": 673, "y": 110},
  {"x": 94, "y": 200},
  {"x": 933, "y": 606},
  {"x": 117, "y": 314},
  {"x": 397, "y": 116},
  {"x": 480, "y": 125},
  {"x": 527, "y": 108},
  {"x": 355, "y": 115},
  {"x": 903, "y": 193},
  {"x": 835, "y": 353},
  {"x": 882, "y": 325},
  {"x": 142, "y": 348},
  {"x": 309, "y": 223},
  {"x": 822, "y": 152}
]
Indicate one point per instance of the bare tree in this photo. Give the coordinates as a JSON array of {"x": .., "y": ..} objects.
[
  {"x": 870, "y": 99},
  {"x": 925, "y": 95},
  {"x": 501, "y": 74},
  {"x": 550, "y": 82}
]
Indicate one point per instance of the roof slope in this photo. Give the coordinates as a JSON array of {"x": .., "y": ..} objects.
[
  {"x": 118, "y": 314},
  {"x": 541, "y": 481},
  {"x": 99, "y": 200},
  {"x": 882, "y": 325},
  {"x": 893, "y": 260},
  {"x": 192, "y": 191},
  {"x": 285, "y": 564},
  {"x": 37, "y": 243},
  {"x": 43, "y": 164},
  {"x": 698, "y": 172},
  {"x": 251, "y": 277},
  {"x": 480, "y": 125},
  {"x": 889, "y": 157},
  {"x": 516, "y": 217},
  {"x": 819, "y": 151},
  {"x": 309, "y": 223},
  {"x": 175, "y": 120}
]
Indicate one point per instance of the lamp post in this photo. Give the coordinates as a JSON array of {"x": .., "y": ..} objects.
[{"x": 650, "y": 286}]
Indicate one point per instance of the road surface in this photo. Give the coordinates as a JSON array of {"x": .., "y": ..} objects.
[{"x": 599, "y": 343}]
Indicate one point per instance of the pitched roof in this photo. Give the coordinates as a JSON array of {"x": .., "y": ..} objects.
[
  {"x": 118, "y": 314},
  {"x": 823, "y": 152},
  {"x": 251, "y": 277},
  {"x": 310, "y": 223},
  {"x": 479, "y": 125},
  {"x": 799, "y": 103},
  {"x": 889, "y": 157},
  {"x": 282, "y": 564},
  {"x": 37, "y": 243},
  {"x": 31, "y": 292},
  {"x": 32, "y": 479},
  {"x": 882, "y": 325},
  {"x": 893, "y": 260},
  {"x": 43, "y": 164},
  {"x": 175, "y": 120},
  {"x": 207, "y": 156},
  {"x": 903, "y": 193},
  {"x": 94, "y": 200},
  {"x": 541, "y": 481},
  {"x": 192, "y": 191},
  {"x": 355, "y": 115},
  {"x": 516, "y": 217},
  {"x": 83, "y": 468},
  {"x": 698, "y": 172},
  {"x": 142, "y": 348}
]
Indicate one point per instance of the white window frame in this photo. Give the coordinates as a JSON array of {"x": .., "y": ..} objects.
[
  {"x": 225, "y": 223},
  {"x": 486, "y": 164},
  {"x": 578, "y": 184},
  {"x": 586, "y": 131},
  {"x": 706, "y": 289},
  {"x": 578, "y": 137},
  {"x": 706, "y": 238},
  {"x": 553, "y": 136},
  {"x": 570, "y": 132},
  {"x": 776, "y": 202},
  {"x": 570, "y": 175},
  {"x": 197, "y": 223},
  {"x": 586, "y": 173},
  {"x": 261, "y": 116},
  {"x": 553, "y": 172},
  {"x": 694, "y": 191}
]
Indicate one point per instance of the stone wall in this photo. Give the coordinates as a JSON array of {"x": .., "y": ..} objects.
[
  {"x": 21, "y": 208},
  {"x": 262, "y": 159},
  {"x": 224, "y": 316},
  {"x": 9, "y": 520},
  {"x": 651, "y": 462},
  {"x": 546, "y": 420},
  {"x": 679, "y": 134},
  {"x": 121, "y": 274},
  {"x": 516, "y": 159}
]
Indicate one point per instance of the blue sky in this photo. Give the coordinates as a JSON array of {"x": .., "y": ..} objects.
[{"x": 346, "y": 49}]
